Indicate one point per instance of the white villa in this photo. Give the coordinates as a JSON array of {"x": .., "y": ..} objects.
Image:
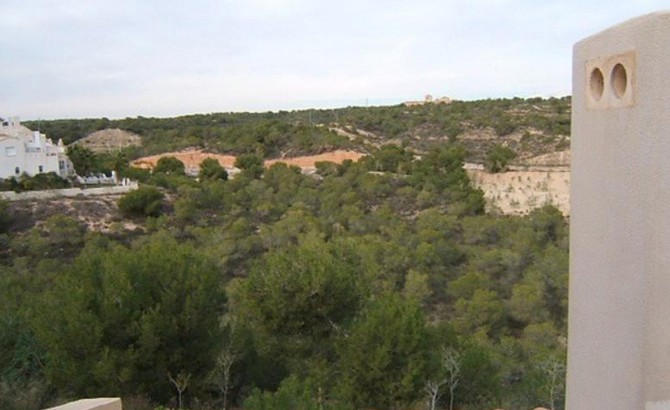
[{"x": 30, "y": 152}]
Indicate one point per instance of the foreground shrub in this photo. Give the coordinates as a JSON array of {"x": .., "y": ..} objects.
[{"x": 145, "y": 201}]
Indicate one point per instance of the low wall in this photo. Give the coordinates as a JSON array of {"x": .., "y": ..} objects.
[
  {"x": 91, "y": 404},
  {"x": 69, "y": 192}
]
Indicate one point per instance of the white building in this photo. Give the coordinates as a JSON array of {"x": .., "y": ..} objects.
[{"x": 26, "y": 151}]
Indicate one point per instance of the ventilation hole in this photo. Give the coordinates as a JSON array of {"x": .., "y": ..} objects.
[
  {"x": 597, "y": 84},
  {"x": 619, "y": 80}
]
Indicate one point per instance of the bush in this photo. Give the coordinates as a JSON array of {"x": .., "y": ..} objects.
[
  {"x": 145, "y": 201},
  {"x": 250, "y": 164},
  {"x": 498, "y": 158},
  {"x": 293, "y": 394},
  {"x": 25, "y": 182},
  {"x": 170, "y": 165},
  {"x": 9, "y": 184},
  {"x": 142, "y": 313},
  {"x": 5, "y": 217},
  {"x": 211, "y": 169},
  {"x": 84, "y": 160},
  {"x": 136, "y": 174},
  {"x": 504, "y": 127}
]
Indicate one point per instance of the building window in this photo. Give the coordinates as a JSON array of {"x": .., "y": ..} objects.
[
  {"x": 17, "y": 170},
  {"x": 61, "y": 164},
  {"x": 41, "y": 168},
  {"x": 10, "y": 151}
]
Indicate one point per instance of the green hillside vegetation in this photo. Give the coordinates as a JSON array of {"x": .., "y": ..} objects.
[
  {"x": 529, "y": 126},
  {"x": 380, "y": 284}
]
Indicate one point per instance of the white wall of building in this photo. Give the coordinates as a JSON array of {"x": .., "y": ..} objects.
[
  {"x": 619, "y": 312},
  {"x": 26, "y": 151}
]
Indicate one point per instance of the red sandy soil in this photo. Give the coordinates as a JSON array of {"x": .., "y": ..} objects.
[
  {"x": 193, "y": 158},
  {"x": 309, "y": 161}
]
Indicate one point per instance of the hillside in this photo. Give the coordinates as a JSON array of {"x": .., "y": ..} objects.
[
  {"x": 531, "y": 127},
  {"x": 350, "y": 287},
  {"x": 537, "y": 130}
]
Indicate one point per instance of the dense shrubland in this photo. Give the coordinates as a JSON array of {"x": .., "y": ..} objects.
[
  {"x": 380, "y": 284},
  {"x": 277, "y": 290}
]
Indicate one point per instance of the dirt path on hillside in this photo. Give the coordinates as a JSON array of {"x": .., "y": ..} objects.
[{"x": 309, "y": 161}]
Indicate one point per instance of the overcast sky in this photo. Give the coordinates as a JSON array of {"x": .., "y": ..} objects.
[{"x": 123, "y": 58}]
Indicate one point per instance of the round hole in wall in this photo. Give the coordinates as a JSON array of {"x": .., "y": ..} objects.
[
  {"x": 619, "y": 79},
  {"x": 597, "y": 84}
]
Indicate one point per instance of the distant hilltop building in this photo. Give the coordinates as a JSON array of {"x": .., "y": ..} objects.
[
  {"x": 30, "y": 152},
  {"x": 428, "y": 99}
]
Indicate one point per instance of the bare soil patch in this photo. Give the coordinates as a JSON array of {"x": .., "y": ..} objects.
[
  {"x": 108, "y": 140},
  {"x": 309, "y": 161},
  {"x": 193, "y": 158},
  {"x": 99, "y": 213}
]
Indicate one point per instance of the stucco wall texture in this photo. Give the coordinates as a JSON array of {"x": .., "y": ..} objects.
[
  {"x": 91, "y": 404},
  {"x": 619, "y": 312}
]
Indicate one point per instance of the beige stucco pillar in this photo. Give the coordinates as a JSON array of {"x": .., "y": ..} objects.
[
  {"x": 91, "y": 404},
  {"x": 619, "y": 312}
]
